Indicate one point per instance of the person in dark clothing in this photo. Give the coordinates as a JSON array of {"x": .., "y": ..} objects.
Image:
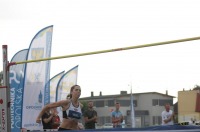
[
  {"x": 55, "y": 119},
  {"x": 90, "y": 116},
  {"x": 47, "y": 119}
]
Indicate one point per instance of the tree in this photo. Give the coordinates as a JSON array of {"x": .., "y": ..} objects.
[
  {"x": 85, "y": 107},
  {"x": 197, "y": 87}
]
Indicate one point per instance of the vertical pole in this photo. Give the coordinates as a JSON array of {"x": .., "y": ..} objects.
[
  {"x": 8, "y": 99},
  {"x": 4, "y": 95}
]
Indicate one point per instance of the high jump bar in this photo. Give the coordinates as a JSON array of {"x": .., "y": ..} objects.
[{"x": 109, "y": 50}]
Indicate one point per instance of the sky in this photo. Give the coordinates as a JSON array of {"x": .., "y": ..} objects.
[{"x": 92, "y": 25}]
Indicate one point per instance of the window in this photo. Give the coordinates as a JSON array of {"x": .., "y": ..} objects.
[
  {"x": 108, "y": 119},
  {"x": 110, "y": 103},
  {"x": 135, "y": 103},
  {"x": 155, "y": 102},
  {"x": 157, "y": 120},
  {"x": 124, "y": 102},
  {"x": 100, "y": 103},
  {"x": 127, "y": 102},
  {"x": 161, "y": 102},
  {"x": 101, "y": 120}
]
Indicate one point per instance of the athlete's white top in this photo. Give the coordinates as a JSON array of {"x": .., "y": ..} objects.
[{"x": 73, "y": 112}]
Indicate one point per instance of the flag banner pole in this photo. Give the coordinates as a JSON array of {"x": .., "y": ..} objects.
[
  {"x": 111, "y": 50},
  {"x": 132, "y": 111}
]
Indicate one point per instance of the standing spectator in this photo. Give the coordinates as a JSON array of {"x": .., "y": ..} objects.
[
  {"x": 47, "y": 119},
  {"x": 167, "y": 115},
  {"x": 117, "y": 116},
  {"x": 55, "y": 119},
  {"x": 90, "y": 116}
]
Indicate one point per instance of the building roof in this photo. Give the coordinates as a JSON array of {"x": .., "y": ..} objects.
[{"x": 122, "y": 95}]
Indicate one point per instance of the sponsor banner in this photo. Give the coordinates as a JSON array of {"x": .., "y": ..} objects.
[
  {"x": 37, "y": 75},
  {"x": 65, "y": 83},
  {"x": 3, "y": 119},
  {"x": 53, "y": 84},
  {"x": 16, "y": 81},
  {"x": 63, "y": 87}
]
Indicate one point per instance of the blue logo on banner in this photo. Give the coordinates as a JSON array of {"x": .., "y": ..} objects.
[{"x": 40, "y": 97}]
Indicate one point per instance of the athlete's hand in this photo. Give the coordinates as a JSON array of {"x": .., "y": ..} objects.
[
  {"x": 38, "y": 120},
  {"x": 80, "y": 126}
]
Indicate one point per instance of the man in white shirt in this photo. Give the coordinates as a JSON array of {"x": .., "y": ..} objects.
[{"x": 167, "y": 115}]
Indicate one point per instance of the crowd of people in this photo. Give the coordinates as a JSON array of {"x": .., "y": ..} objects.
[{"x": 72, "y": 114}]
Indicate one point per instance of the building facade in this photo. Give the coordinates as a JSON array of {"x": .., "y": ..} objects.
[
  {"x": 189, "y": 105},
  {"x": 148, "y": 107}
]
